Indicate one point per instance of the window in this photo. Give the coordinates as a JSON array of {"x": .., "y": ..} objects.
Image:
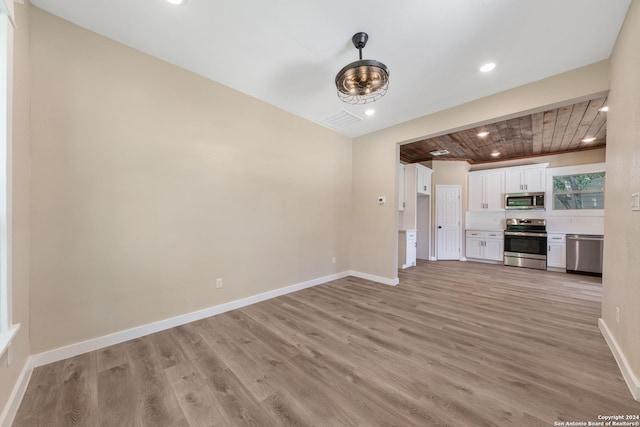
[
  {"x": 580, "y": 191},
  {"x": 7, "y": 329}
]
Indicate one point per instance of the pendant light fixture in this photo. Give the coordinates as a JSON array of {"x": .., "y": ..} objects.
[{"x": 362, "y": 81}]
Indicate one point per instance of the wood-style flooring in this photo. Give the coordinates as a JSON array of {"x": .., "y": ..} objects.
[{"x": 455, "y": 344}]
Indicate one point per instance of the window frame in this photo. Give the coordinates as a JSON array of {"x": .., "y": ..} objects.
[
  {"x": 571, "y": 170},
  {"x": 577, "y": 192},
  {"x": 8, "y": 329}
]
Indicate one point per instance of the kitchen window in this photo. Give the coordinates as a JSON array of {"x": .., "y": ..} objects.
[{"x": 579, "y": 191}]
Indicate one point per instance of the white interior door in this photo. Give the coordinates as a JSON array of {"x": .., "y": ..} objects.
[{"x": 448, "y": 226}]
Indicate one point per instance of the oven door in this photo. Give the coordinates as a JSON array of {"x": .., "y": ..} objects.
[{"x": 522, "y": 249}]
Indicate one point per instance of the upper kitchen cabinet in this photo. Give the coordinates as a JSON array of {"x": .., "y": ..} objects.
[
  {"x": 486, "y": 190},
  {"x": 424, "y": 180},
  {"x": 417, "y": 180},
  {"x": 526, "y": 179}
]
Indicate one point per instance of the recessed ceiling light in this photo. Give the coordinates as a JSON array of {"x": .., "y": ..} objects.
[
  {"x": 604, "y": 109},
  {"x": 495, "y": 154},
  {"x": 176, "y": 1},
  {"x": 370, "y": 112},
  {"x": 590, "y": 139},
  {"x": 488, "y": 67},
  {"x": 483, "y": 134}
]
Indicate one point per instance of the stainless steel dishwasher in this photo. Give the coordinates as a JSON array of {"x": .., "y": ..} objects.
[{"x": 584, "y": 254}]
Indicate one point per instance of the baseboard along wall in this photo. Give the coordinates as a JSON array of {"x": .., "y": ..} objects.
[
  {"x": 55, "y": 355},
  {"x": 627, "y": 373},
  {"x": 76, "y": 349}
]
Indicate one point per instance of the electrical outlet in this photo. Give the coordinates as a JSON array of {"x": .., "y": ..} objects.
[
  {"x": 617, "y": 314},
  {"x": 382, "y": 200},
  {"x": 333, "y": 260},
  {"x": 218, "y": 282}
]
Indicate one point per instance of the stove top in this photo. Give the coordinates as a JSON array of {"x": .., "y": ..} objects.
[{"x": 522, "y": 224}]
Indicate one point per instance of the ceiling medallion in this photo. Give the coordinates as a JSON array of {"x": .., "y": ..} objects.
[{"x": 362, "y": 81}]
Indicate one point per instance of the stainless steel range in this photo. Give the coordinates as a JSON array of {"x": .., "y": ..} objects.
[{"x": 525, "y": 243}]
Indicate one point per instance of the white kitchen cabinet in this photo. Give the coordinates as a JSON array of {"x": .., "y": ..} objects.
[
  {"x": 486, "y": 190},
  {"x": 474, "y": 245},
  {"x": 411, "y": 194},
  {"x": 484, "y": 245},
  {"x": 424, "y": 180},
  {"x": 407, "y": 241},
  {"x": 401, "y": 201},
  {"x": 526, "y": 179},
  {"x": 556, "y": 251}
]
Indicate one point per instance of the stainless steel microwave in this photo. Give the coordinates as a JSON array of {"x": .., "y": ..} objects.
[{"x": 524, "y": 201}]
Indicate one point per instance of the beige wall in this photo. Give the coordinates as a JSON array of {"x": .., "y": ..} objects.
[
  {"x": 375, "y": 156},
  {"x": 149, "y": 182},
  {"x": 20, "y": 349},
  {"x": 621, "y": 277}
]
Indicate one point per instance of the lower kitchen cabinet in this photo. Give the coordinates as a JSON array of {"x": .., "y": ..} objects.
[
  {"x": 556, "y": 251},
  {"x": 484, "y": 245},
  {"x": 408, "y": 243}
]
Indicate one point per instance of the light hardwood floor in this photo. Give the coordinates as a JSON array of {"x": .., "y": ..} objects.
[{"x": 458, "y": 344}]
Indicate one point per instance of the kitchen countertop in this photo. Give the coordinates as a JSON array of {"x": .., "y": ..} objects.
[{"x": 574, "y": 232}]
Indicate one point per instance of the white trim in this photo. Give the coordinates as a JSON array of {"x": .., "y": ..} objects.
[
  {"x": 627, "y": 373},
  {"x": 11, "y": 408},
  {"x": 463, "y": 258},
  {"x": 374, "y": 278},
  {"x": 140, "y": 331},
  {"x": 7, "y": 336},
  {"x": 432, "y": 258}
]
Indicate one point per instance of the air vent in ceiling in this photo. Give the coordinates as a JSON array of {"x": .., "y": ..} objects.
[
  {"x": 438, "y": 152},
  {"x": 341, "y": 119}
]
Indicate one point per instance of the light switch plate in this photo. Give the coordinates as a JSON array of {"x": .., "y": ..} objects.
[
  {"x": 635, "y": 202},
  {"x": 382, "y": 200}
]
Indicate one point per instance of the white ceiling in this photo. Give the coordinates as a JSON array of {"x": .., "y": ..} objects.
[{"x": 287, "y": 52}]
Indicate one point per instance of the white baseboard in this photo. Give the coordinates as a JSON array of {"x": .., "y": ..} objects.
[
  {"x": 627, "y": 373},
  {"x": 140, "y": 331},
  {"x": 15, "y": 398},
  {"x": 374, "y": 278},
  {"x": 463, "y": 258},
  {"x": 432, "y": 258}
]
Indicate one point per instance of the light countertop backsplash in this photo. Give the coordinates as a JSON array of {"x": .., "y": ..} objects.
[{"x": 495, "y": 221}]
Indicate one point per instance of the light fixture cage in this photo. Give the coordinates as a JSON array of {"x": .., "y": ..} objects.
[{"x": 362, "y": 81}]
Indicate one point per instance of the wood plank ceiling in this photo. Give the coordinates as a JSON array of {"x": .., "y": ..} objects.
[{"x": 560, "y": 130}]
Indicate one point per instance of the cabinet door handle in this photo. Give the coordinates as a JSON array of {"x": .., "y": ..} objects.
[
  {"x": 549, "y": 248},
  {"x": 526, "y": 187}
]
